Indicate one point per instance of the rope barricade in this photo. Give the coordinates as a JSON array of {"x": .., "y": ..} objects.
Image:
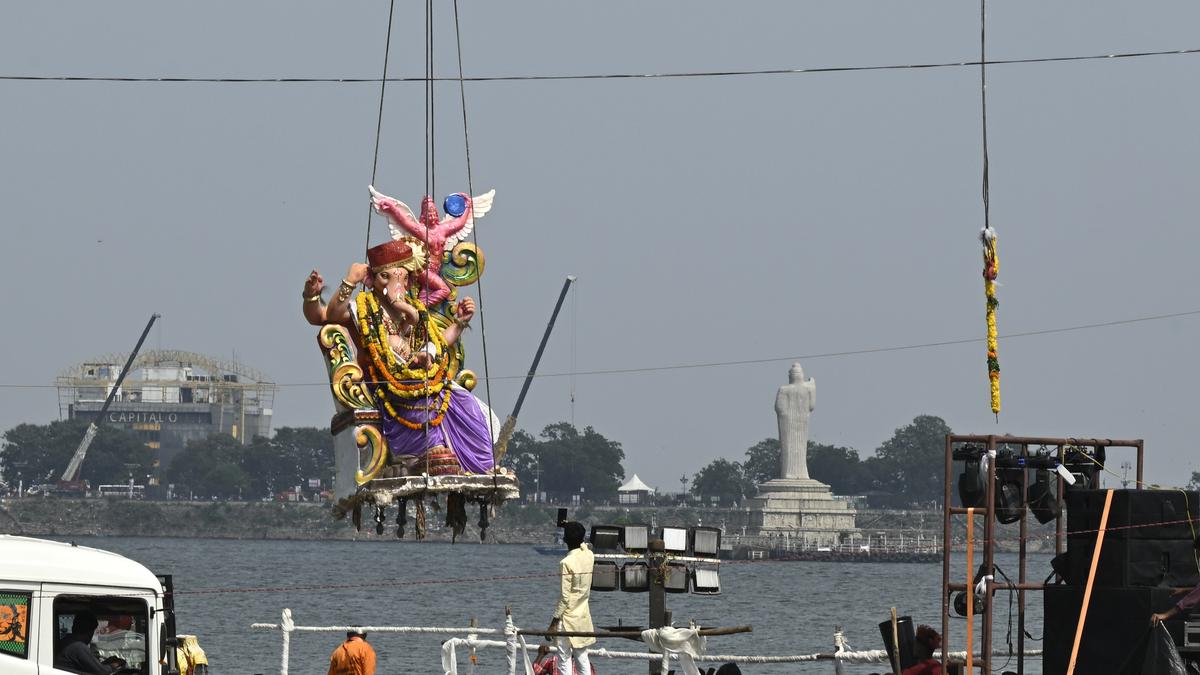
[{"x": 516, "y": 649}]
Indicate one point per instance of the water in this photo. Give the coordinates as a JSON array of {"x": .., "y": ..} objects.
[{"x": 793, "y": 606}]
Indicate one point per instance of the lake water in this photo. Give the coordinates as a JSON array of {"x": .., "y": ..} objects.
[{"x": 224, "y": 586}]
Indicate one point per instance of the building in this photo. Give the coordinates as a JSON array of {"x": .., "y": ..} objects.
[
  {"x": 634, "y": 491},
  {"x": 170, "y": 398}
]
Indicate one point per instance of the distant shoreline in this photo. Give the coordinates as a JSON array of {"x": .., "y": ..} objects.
[{"x": 307, "y": 521}]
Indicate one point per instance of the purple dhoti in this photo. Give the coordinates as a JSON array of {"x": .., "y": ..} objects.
[{"x": 465, "y": 429}]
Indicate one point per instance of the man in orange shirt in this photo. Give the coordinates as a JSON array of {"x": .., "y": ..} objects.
[{"x": 354, "y": 656}]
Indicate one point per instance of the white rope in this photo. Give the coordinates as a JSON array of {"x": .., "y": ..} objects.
[
  {"x": 449, "y": 649},
  {"x": 382, "y": 629},
  {"x": 517, "y": 649}
]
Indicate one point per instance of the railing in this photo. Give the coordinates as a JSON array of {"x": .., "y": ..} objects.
[{"x": 518, "y": 650}]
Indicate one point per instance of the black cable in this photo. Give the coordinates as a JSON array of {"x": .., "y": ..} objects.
[
  {"x": 987, "y": 222},
  {"x": 714, "y": 364},
  {"x": 379, "y": 120},
  {"x": 597, "y": 76}
]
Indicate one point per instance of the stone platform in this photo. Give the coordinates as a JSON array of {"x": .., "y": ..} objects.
[{"x": 804, "y": 509}]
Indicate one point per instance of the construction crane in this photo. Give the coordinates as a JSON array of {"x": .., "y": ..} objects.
[{"x": 70, "y": 483}]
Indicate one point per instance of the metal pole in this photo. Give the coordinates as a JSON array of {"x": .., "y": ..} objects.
[
  {"x": 1059, "y": 533},
  {"x": 656, "y": 551},
  {"x": 1021, "y": 570},
  {"x": 989, "y": 558},
  {"x": 946, "y": 550}
]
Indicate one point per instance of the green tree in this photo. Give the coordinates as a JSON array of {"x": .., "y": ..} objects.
[
  {"x": 910, "y": 465},
  {"x": 41, "y": 452},
  {"x": 1195, "y": 482},
  {"x": 722, "y": 479},
  {"x": 840, "y": 467},
  {"x": 219, "y": 466},
  {"x": 762, "y": 461},
  {"x": 570, "y": 462},
  {"x": 210, "y": 467}
]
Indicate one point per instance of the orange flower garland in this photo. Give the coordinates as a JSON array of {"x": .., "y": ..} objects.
[
  {"x": 991, "y": 267},
  {"x": 395, "y": 376}
]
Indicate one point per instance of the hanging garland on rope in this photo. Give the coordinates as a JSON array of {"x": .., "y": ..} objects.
[{"x": 991, "y": 267}]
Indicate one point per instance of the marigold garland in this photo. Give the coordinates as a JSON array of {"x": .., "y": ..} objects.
[
  {"x": 991, "y": 267},
  {"x": 401, "y": 383}
]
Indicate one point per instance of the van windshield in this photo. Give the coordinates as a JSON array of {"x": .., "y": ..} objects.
[{"x": 107, "y": 631}]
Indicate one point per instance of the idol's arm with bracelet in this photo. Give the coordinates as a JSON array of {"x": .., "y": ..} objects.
[
  {"x": 338, "y": 310},
  {"x": 313, "y": 308}
]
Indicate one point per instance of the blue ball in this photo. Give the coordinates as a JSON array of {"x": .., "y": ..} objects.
[{"x": 455, "y": 205}]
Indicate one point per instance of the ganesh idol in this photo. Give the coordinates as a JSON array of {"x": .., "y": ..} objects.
[{"x": 431, "y": 423}]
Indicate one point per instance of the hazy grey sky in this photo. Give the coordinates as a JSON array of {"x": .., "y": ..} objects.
[{"x": 708, "y": 219}]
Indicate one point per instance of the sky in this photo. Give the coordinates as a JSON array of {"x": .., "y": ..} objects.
[{"x": 708, "y": 219}]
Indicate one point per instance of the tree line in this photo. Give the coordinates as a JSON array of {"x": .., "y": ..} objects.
[
  {"x": 906, "y": 470},
  {"x": 217, "y": 466},
  {"x": 562, "y": 460}
]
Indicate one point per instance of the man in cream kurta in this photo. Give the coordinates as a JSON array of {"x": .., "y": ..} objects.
[{"x": 572, "y": 612}]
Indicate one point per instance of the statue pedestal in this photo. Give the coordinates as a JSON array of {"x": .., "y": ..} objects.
[{"x": 803, "y": 508}]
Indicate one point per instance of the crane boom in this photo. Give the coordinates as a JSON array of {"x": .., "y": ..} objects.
[
  {"x": 510, "y": 424},
  {"x": 71, "y": 474}
]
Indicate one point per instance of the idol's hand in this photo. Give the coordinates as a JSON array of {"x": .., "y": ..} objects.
[
  {"x": 314, "y": 284},
  {"x": 357, "y": 273},
  {"x": 466, "y": 310},
  {"x": 420, "y": 360}
]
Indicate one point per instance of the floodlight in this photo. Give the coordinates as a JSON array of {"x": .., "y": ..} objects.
[
  {"x": 970, "y": 484},
  {"x": 635, "y": 577},
  {"x": 606, "y": 538},
  {"x": 604, "y": 575},
  {"x": 676, "y": 578},
  {"x": 675, "y": 539},
  {"x": 635, "y": 537},
  {"x": 706, "y": 582},
  {"x": 1043, "y": 502},
  {"x": 1010, "y": 500},
  {"x": 706, "y": 542}
]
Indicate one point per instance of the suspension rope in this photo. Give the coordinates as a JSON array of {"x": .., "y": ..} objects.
[
  {"x": 983, "y": 106},
  {"x": 462, "y": 94},
  {"x": 387, "y": 47}
]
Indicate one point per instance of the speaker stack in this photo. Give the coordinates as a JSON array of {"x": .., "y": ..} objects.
[{"x": 1148, "y": 550}]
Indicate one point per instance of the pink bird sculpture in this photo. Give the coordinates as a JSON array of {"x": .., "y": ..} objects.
[{"x": 436, "y": 233}]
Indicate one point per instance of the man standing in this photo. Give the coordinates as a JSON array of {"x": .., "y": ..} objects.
[
  {"x": 572, "y": 612},
  {"x": 354, "y": 656}
]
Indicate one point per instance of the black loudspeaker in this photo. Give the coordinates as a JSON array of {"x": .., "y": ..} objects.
[
  {"x": 1117, "y": 622},
  {"x": 1133, "y": 562},
  {"x": 1134, "y": 514},
  {"x": 904, "y": 637}
]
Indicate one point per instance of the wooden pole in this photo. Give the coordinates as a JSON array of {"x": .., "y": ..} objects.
[{"x": 895, "y": 644}]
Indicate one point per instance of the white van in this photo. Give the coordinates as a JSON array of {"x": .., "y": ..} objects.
[{"x": 46, "y": 585}]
